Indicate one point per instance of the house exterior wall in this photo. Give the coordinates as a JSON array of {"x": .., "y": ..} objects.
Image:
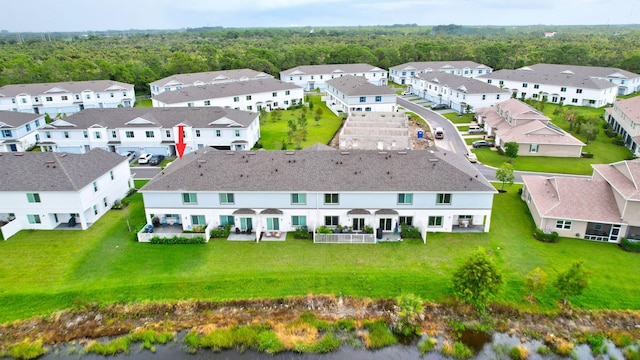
[
  {"x": 251, "y": 102},
  {"x": 23, "y": 137},
  {"x": 456, "y": 100},
  {"x": 557, "y": 150},
  {"x": 339, "y": 102},
  {"x": 626, "y": 125},
  {"x": 402, "y": 76},
  {"x": 318, "y": 81},
  {"x": 68, "y": 103},
  {"x": 632, "y": 213}
]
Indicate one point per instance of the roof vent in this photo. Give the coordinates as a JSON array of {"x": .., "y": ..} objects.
[
  {"x": 18, "y": 154},
  {"x": 49, "y": 162},
  {"x": 382, "y": 152},
  {"x": 202, "y": 161},
  {"x": 433, "y": 160},
  {"x": 402, "y": 153},
  {"x": 344, "y": 153},
  {"x": 230, "y": 152},
  {"x": 289, "y": 152}
]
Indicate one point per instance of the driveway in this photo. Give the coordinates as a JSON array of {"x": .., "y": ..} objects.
[{"x": 142, "y": 172}]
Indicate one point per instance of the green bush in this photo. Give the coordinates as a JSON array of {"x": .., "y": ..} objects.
[
  {"x": 268, "y": 342},
  {"x": 409, "y": 232},
  {"x": 379, "y": 335},
  {"x": 136, "y": 229},
  {"x": 220, "y": 232},
  {"x": 628, "y": 245},
  {"x": 119, "y": 345},
  {"x": 544, "y": 237},
  {"x": 26, "y": 350},
  {"x": 302, "y": 233},
  {"x": 177, "y": 240},
  {"x": 324, "y": 230}
]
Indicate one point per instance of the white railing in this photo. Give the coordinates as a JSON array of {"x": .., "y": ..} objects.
[
  {"x": 344, "y": 239},
  {"x": 146, "y": 237},
  {"x": 10, "y": 229}
]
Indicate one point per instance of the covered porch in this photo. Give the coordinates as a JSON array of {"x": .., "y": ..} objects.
[
  {"x": 603, "y": 232},
  {"x": 470, "y": 223}
]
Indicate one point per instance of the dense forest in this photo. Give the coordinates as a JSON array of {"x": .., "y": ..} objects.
[{"x": 140, "y": 57}]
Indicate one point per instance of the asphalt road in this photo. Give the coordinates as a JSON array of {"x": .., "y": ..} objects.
[{"x": 142, "y": 172}]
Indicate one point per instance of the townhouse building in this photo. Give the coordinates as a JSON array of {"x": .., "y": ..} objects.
[
  {"x": 349, "y": 93},
  {"x": 554, "y": 86},
  {"x": 44, "y": 191},
  {"x": 66, "y": 97},
  {"x": 624, "y": 119},
  {"x": 460, "y": 93},
  {"x": 19, "y": 131},
  {"x": 280, "y": 191},
  {"x": 179, "y": 81},
  {"x": 312, "y": 77},
  {"x": 152, "y": 130},
  {"x": 255, "y": 95},
  {"x": 401, "y": 74}
]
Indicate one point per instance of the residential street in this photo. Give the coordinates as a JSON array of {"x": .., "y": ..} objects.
[{"x": 144, "y": 172}]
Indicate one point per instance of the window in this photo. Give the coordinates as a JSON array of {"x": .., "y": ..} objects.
[
  {"x": 189, "y": 198},
  {"x": 536, "y": 86},
  {"x": 149, "y": 133},
  {"x": 124, "y": 93},
  {"x": 563, "y": 89},
  {"x": 535, "y": 96},
  {"x": 64, "y": 97},
  {"x": 167, "y": 133},
  {"x": 104, "y": 201},
  {"x": 578, "y": 91},
  {"x": 331, "y": 198},
  {"x": 435, "y": 221},
  {"x": 405, "y": 199},
  {"x": 28, "y": 127},
  {"x": 190, "y": 104},
  {"x": 488, "y": 81},
  {"x": 299, "y": 220},
  {"x": 407, "y": 220},
  {"x": 237, "y": 133},
  {"x": 226, "y": 220},
  {"x": 95, "y": 186},
  {"x": 47, "y": 134},
  {"x": 13, "y": 100},
  {"x": 98, "y": 96},
  {"x": 226, "y": 198},
  {"x": 484, "y": 97},
  {"x": 111, "y": 95},
  {"x": 33, "y": 197},
  {"x": 298, "y": 199},
  {"x": 129, "y": 134},
  {"x": 498, "y": 96},
  {"x": 525, "y": 84},
  {"x": 563, "y": 224},
  {"x": 363, "y": 99},
  {"x": 113, "y": 134},
  {"x": 6, "y": 133},
  {"x": 273, "y": 224},
  {"x": 378, "y": 98},
  {"x": 533, "y": 148},
  {"x": 501, "y": 82},
  {"x": 197, "y": 132},
  {"x": 574, "y": 101},
  {"x": 443, "y": 199},
  {"x": 274, "y": 94},
  {"x": 331, "y": 220},
  {"x": 34, "y": 219},
  {"x": 95, "y": 209},
  {"x": 236, "y": 98},
  {"x": 48, "y": 98},
  {"x": 248, "y": 97},
  {"x": 287, "y": 92},
  {"x": 358, "y": 224},
  {"x": 88, "y": 96},
  {"x": 249, "y": 107},
  {"x": 207, "y": 102},
  {"x": 198, "y": 220},
  {"x": 218, "y": 133}
]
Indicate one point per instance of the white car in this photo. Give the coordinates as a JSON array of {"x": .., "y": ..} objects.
[
  {"x": 472, "y": 157},
  {"x": 144, "y": 158}
]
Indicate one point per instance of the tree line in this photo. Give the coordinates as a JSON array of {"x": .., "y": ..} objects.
[{"x": 145, "y": 57}]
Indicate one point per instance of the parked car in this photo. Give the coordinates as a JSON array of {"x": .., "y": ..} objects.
[
  {"x": 156, "y": 159},
  {"x": 481, "y": 144},
  {"x": 405, "y": 93},
  {"x": 144, "y": 158},
  {"x": 473, "y": 129},
  {"x": 130, "y": 155},
  {"x": 438, "y": 133},
  {"x": 439, "y": 106},
  {"x": 472, "y": 157}
]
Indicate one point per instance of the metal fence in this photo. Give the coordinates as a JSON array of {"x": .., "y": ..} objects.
[{"x": 344, "y": 239}]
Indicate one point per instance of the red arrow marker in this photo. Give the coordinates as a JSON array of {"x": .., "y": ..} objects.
[{"x": 180, "y": 145}]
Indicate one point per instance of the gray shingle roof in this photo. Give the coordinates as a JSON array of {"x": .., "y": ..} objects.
[
  {"x": 358, "y": 85},
  {"x": 439, "y": 65},
  {"x": 595, "y": 71},
  {"x": 211, "y": 76},
  {"x": 213, "y": 91},
  {"x": 331, "y": 69},
  {"x": 461, "y": 83},
  {"x": 74, "y": 87},
  {"x": 14, "y": 119},
  {"x": 324, "y": 171},
  {"x": 555, "y": 78},
  {"x": 197, "y": 117},
  {"x": 54, "y": 171}
]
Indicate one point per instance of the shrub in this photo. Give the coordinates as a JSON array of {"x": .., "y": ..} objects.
[
  {"x": 379, "y": 335},
  {"x": 118, "y": 205},
  {"x": 368, "y": 229},
  {"x": 218, "y": 340},
  {"x": 177, "y": 240},
  {"x": 409, "y": 232},
  {"x": 409, "y": 314},
  {"x": 628, "y": 245},
  {"x": 26, "y": 350},
  {"x": 119, "y": 345},
  {"x": 546, "y": 237},
  {"x": 220, "y": 232},
  {"x": 586, "y": 155},
  {"x": 519, "y": 352},
  {"x": 268, "y": 342},
  {"x": 136, "y": 229},
  {"x": 302, "y": 233},
  {"x": 595, "y": 342},
  {"x": 617, "y": 140},
  {"x": 324, "y": 230},
  {"x": 429, "y": 344}
]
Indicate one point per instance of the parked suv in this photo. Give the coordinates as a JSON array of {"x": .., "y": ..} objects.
[
  {"x": 481, "y": 144},
  {"x": 144, "y": 158},
  {"x": 438, "y": 133},
  {"x": 439, "y": 106},
  {"x": 156, "y": 159},
  {"x": 473, "y": 129}
]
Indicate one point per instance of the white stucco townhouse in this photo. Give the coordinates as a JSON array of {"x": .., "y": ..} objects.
[
  {"x": 400, "y": 74},
  {"x": 66, "y": 97},
  {"x": 152, "y": 130},
  {"x": 255, "y": 95},
  {"x": 179, "y": 81},
  {"x": 460, "y": 93},
  {"x": 624, "y": 119},
  {"x": 19, "y": 131},
  {"x": 311, "y": 77},
  {"x": 350, "y": 93},
  {"x": 279, "y": 191},
  {"x": 43, "y": 191}
]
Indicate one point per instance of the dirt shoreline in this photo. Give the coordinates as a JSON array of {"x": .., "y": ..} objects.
[{"x": 96, "y": 321}]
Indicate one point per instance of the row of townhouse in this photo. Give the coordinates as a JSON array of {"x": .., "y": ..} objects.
[
  {"x": 254, "y": 95},
  {"x": 460, "y": 93},
  {"x": 280, "y": 191},
  {"x": 152, "y": 130},
  {"x": 44, "y": 191},
  {"x": 179, "y": 81},
  {"x": 312, "y": 77},
  {"x": 349, "y": 93},
  {"x": 19, "y": 131},
  {"x": 66, "y": 97},
  {"x": 402, "y": 74},
  {"x": 624, "y": 119}
]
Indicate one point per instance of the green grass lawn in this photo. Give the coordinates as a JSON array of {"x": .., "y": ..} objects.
[
  {"x": 43, "y": 271},
  {"x": 455, "y": 118},
  {"x": 274, "y": 133},
  {"x": 144, "y": 103}
]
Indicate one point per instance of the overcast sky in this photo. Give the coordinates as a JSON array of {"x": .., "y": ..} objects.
[{"x": 84, "y": 15}]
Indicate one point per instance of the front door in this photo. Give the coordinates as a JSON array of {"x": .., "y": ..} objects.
[
  {"x": 273, "y": 224},
  {"x": 246, "y": 223},
  {"x": 358, "y": 224},
  {"x": 386, "y": 224},
  {"x": 13, "y": 147},
  {"x": 615, "y": 233}
]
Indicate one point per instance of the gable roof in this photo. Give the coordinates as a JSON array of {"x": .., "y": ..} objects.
[
  {"x": 461, "y": 83},
  {"x": 426, "y": 66},
  {"x": 14, "y": 119},
  {"x": 630, "y": 107},
  {"x": 197, "y": 117},
  {"x": 358, "y": 85},
  {"x": 210, "y": 77},
  {"x": 591, "y": 71},
  {"x": 74, "y": 87},
  {"x": 624, "y": 176},
  {"x": 564, "y": 198},
  {"x": 569, "y": 79},
  {"x": 54, "y": 171},
  {"x": 330, "y": 69},
  {"x": 322, "y": 171},
  {"x": 214, "y": 91}
]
